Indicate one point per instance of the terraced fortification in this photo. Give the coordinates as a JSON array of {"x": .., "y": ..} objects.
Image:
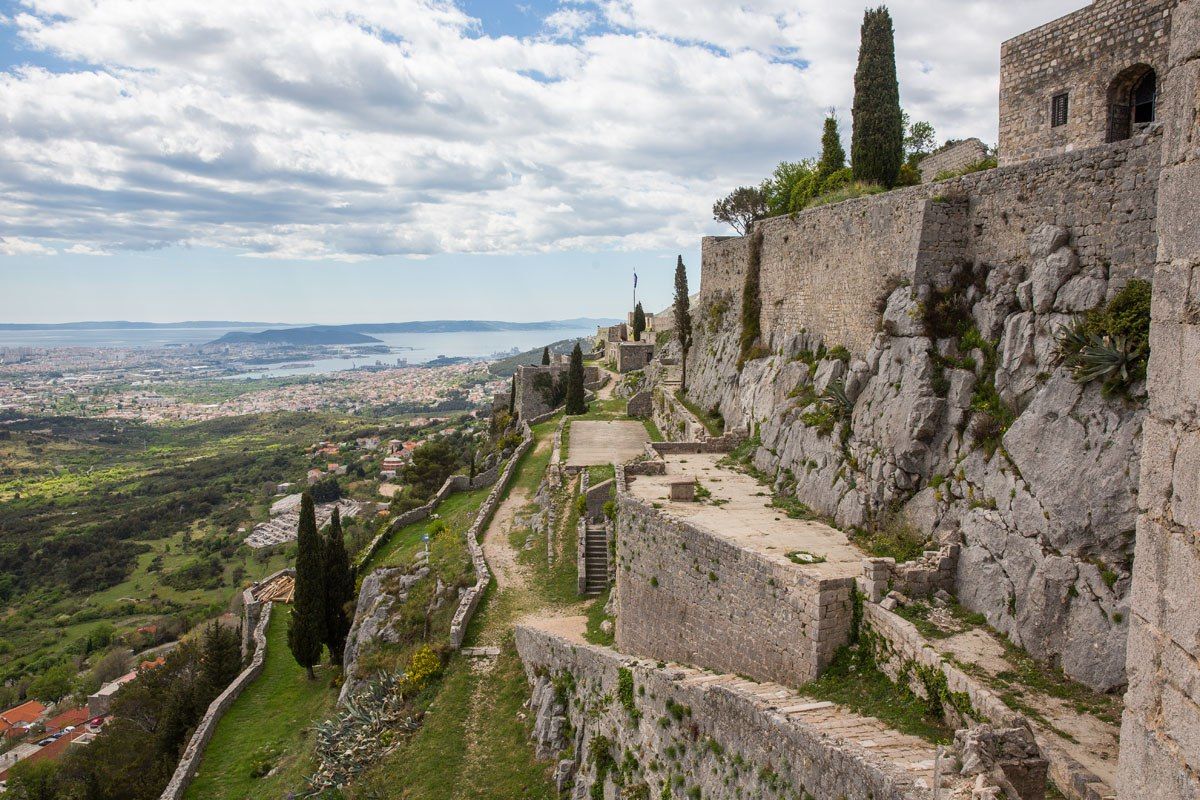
[{"x": 964, "y": 421}]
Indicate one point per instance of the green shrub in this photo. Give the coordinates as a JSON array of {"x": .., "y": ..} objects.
[{"x": 848, "y": 192}]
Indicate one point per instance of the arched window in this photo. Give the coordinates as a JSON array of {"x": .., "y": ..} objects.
[
  {"x": 1132, "y": 97},
  {"x": 1145, "y": 93}
]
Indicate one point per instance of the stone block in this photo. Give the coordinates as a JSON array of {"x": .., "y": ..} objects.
[{"x": 683, "y": 491}]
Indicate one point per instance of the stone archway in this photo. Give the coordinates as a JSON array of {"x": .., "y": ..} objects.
[{"x": 1132, "y": 101}]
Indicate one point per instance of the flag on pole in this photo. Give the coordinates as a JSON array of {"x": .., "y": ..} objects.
[{"x": 635, "y": 279}]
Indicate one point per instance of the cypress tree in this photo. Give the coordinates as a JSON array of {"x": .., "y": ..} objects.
[
  {"x": 545, "y": 356},
  {"x": 512, "y": 397},
  {"x": 306, "y": 627},
  {"x": 833, "y": 155},
  {"x": 877, "y": 146},
  {"x": 575, "y": 400},
  {"x": 339, "y": 589},
  {"x": 751, "y": 300},
  {"x": 639, "y": 322},
  {"x": 683, "y": 320}
]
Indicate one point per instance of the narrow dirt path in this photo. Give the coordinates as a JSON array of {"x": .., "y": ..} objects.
[{"x": 514, "y": 597}]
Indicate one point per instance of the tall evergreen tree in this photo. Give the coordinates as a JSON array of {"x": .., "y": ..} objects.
[
  {"x": 683, "y": 320},
  {"x": 575, "y": 398},
  {"x": 512, "y": 397},
  {"x": 545, "y": 356},
  {"x": 639, "y": 322},
  {"x": 220, "y": 657},
  {"x": 833, "y": 155},
  {"x": 306, "y": 628},
  {"x": 877, "y": 147},
  {"x": 339, "y": 589}
]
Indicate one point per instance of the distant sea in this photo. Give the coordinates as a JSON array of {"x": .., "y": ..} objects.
[{"x": 417, "y": 348}]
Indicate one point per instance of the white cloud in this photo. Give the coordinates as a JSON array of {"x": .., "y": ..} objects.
[
  {"x": 12, "y": 246},
  {"x": 347, "y": 129}
]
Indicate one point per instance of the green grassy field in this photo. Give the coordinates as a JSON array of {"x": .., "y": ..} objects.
[
  {"x": 268, "y": 728},
  {"x": 456, "y": 512}
]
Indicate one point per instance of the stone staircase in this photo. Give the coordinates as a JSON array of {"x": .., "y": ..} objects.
[{"x": 596, "y": 560}]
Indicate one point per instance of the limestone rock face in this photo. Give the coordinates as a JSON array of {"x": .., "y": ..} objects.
[
  {"x": 381, "y": 592},
  {"x": 902, "y": 316},
  {"x": 1045, "y": 521}
]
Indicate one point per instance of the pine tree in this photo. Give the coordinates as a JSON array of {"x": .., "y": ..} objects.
[
  {"x": 833, "y": 155},
  {"x": 339, "y": 589},
  {"x": 683, "y": 319},
  {"x": 639, "y": 322},
  {"x": 877, "y": 146},
  {"x": 306, "y": 628},
  {"x": 545, "y": 356},
  {"x": 575, "y": 399},
  {"x": 220, "y": 657}
]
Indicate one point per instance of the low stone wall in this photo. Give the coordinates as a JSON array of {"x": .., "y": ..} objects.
[
  {"x": 597, "y": 497},
  {"x": 921, "y": 577},
  {"x": 190, "y": 761},
  {"x": 725, "y": 608},
  {"x": 902, "y": 654},
  {"x": 716, "y": 444},
  {"x": 725, "y": 740},
  {"x": 952, "y": 159},
  {"x": 674, "y": 420},
  {"x": 641, "y": 405},
  {"x": 483, "y": 575}
]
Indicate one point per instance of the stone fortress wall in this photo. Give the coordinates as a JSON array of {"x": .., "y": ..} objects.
[
  {"x": 1043, "y": 526},
  {"x": 1082, "y": 55},
  {"x": 1160, "y": 732},
  {"x": 689, "y": 596},
  {"x": 827, "y": 270}
]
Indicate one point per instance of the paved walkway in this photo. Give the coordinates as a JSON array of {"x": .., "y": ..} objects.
[
  {"x": 596, "y": 442},
  {"x": 740, "y": 511}
]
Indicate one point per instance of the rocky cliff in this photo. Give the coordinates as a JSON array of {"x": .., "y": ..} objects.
[{"x": 961, "y": 422}]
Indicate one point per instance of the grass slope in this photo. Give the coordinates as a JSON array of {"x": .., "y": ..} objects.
[{"x": 270, "y": 724}]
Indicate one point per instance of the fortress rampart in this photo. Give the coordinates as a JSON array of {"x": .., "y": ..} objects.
[
  {"x": 827, "y": 269},
  {"x": 688, "y": 595}
]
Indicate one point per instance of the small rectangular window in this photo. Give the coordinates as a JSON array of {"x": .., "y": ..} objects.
[{"x": 1059, "y": 110}]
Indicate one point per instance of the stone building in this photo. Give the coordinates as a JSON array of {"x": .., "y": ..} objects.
[
  {"x": 541, "y": 389},
  {"x": 1089, "y": 78}
]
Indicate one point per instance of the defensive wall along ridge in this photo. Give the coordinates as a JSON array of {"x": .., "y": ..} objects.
[{"x": 933, "y": 314}]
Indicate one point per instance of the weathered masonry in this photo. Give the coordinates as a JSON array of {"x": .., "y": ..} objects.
[
  {"x": 827, "y": 270},
  {"x": 1089, "y": 78},
  {"x": 1160, "y": 732}
]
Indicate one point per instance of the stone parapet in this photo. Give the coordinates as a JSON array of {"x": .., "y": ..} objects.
[{"x": 733, "y": 738}]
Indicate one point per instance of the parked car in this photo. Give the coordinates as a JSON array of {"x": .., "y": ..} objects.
[{"x": 46, "y": 741}]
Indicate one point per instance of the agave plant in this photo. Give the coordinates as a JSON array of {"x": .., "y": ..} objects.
[
  {"x": 1072, "y": 338},
  {"x": 835, "y": 397},
  {"x": 1106, "y": 359},
  {"x": 374, "y": 719}
]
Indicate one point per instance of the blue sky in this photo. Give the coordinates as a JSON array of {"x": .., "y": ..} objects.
[{"x": 347, "y": 160}]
